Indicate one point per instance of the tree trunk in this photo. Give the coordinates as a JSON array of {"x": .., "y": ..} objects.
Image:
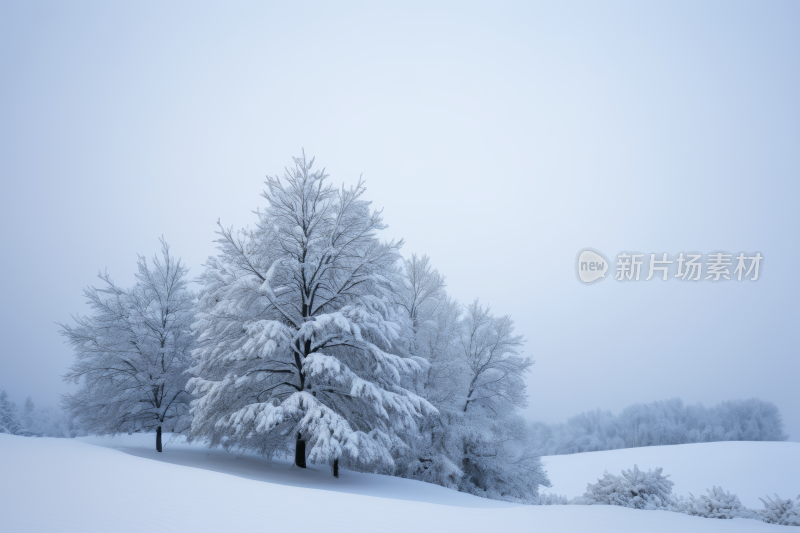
[
  {"x": 158, "y": 439},
  {"x": 336, "y": 467},
  {"x": 300, "y": 452}
]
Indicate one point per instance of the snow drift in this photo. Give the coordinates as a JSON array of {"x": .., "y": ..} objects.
[{"x": 69, "y": 485}]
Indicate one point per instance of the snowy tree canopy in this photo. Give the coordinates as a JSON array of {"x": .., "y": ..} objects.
[
  {"x": 297, "y": 337},
  {"x": 132, "y": 352},
  {"x": 493, "y": 390},
  {"x": 421, "y": 294},
  {"x": 490, "y": 350},
  {"x": 477, "y": 442}
]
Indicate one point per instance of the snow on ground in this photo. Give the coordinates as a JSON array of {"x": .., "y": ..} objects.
[
  {"x": 252, "y": 466},
  {"x": 70, "y": 485},
  {"x": 750, "y": 470}
]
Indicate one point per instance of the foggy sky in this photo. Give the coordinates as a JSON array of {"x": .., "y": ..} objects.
[{"x": 499, "y": 138}]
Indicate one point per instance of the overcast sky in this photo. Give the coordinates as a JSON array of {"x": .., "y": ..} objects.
[{"x": 499, "y": 138}]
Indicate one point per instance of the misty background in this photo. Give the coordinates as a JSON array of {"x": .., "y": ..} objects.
[{"x": 499, "y": 138}]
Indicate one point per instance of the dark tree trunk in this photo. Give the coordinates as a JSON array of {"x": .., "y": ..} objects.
[
  {"x": 158, "y": 439},
  {"x": 300, "y": 452},
  {"x": 336, "y": 467}
]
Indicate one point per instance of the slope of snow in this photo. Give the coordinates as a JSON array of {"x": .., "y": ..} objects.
[
  {"x": 68, "y": 485},
  {"x": 747, "y": 469},
  {"x": 252, "y": 466}
]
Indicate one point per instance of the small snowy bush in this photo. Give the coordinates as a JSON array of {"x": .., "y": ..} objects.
[
  {"x": 652, "y": 491},
  {"x": 634, "y": 489},
  {"x": 780, "y": 511},
  {"x": 717, "y": 504}
]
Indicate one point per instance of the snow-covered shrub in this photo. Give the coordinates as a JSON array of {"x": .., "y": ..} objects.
[
  {"x": 634, "y": 489},
  {"x": 652, "y": 491},
  {"x": 717, "y": 504},
  {"x": 609, "y": 490},
  {"x": 780, "y": 511}
]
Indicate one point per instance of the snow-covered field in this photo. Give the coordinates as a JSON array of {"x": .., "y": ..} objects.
[
  {"x": 751, "y": 470},
  {"x": 123, "y": 485}
]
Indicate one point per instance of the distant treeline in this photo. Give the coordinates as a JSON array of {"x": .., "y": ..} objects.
[
  {"x": 660, "y": 423},
  {"x": 35, "y": 421}
]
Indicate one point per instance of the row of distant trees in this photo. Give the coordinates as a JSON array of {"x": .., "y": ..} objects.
[
  {"x": 311, "y": 337},
  {"x": 32, "y": 420},
  {"x": 660, "y": 423}
]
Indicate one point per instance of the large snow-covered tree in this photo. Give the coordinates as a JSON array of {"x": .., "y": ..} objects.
[
  {"x": 132, "y": 352},
  {"x": 298, "y": 342}
]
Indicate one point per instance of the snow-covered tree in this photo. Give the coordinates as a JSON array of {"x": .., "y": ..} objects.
[
  {"x": 497, "y": 461},
  {"x": 422, "y": 293},
  {"x": 28, "y": 412},
  {"x": 476, "y": 443},
  {"x": 493, "y": 390},
  {"x": 298, "y": 340},
  {"x": 433, "y": 454},
  {"x": 46, "y": 421},
  {"x": 132, "y": 352},
  {"x": 434, "y": 318},
  {"x": 490, "y": 350},
  {"x": 552, "y": 499},
  {"x": 9, "y": 423}
]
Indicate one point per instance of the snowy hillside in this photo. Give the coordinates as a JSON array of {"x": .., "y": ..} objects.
[
  {"x": 70, "y": 485},
  {"x": 750, "y": 470}
]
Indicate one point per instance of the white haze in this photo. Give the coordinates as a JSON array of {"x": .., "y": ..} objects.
[{"x": 499, "y": 138}]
